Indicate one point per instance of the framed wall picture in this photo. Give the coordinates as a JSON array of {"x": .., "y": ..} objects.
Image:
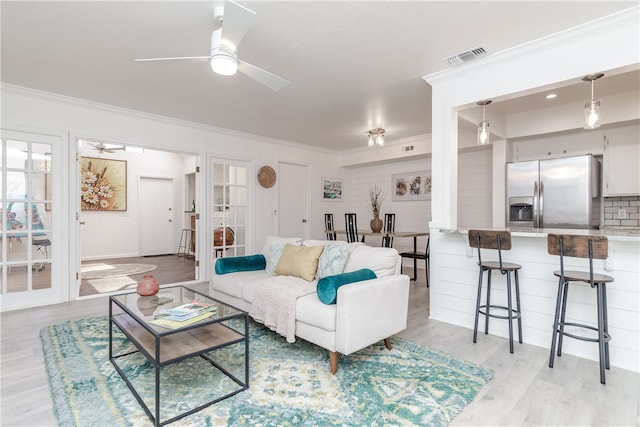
[
  {"x": 331, "y": 189},
  {"x": 103, "y": 184},
  {"x": 411, "y": 186}
]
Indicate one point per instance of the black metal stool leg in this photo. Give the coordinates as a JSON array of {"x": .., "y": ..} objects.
[
  {"x": 475, "y": 327},
  {"x": 606, "y": 325},
  {"x": 515, "y": 274},
  {"x": 565, "y": 297},
  {"x": 601, "y": 342},
  {"x": 509, "y": 312},
  {"x": 488, "y": 306},
  {"x": 555, "y": 323}
]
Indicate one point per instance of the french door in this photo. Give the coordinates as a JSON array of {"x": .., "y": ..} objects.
[
  {"x": 230, "y": 208},
  {"x": 31, "y": 170}
]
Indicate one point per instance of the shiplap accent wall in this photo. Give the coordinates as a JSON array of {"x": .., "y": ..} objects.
[
  {"x": 474, "y": 188},
  {"x": 410, "y": 215},
  {"x": 474, "y": 203},
  {"x": 454, "y": 278}
]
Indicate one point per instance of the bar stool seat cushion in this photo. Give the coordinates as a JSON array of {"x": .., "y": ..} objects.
[
  {"x": 495, "y": 265},
  {"x": 583, "y": 276}
]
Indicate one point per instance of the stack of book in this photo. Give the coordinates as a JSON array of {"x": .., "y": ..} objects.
[{"x": 186, "y": 314}]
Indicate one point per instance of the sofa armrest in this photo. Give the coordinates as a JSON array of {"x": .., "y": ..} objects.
[{"x": 370, "y": 311}]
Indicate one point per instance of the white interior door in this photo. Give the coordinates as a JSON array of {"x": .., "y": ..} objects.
[
  {"x": 157, "y": 216},
  {"x": 292, "y": 207}
]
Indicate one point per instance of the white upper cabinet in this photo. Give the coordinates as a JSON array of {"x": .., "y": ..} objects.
[{"x": 622, "y": 162}]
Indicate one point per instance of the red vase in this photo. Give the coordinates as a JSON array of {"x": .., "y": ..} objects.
[{"x": 148, "y": 286}]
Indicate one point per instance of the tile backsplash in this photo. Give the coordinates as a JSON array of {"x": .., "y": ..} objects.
[{"x": 614, "y": 207}]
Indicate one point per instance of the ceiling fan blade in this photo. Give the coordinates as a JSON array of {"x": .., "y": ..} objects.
[
  {"x": 235, "y": 23},
  {"x": 176, "y": 58},
  {"x": 263, "y": 76}
]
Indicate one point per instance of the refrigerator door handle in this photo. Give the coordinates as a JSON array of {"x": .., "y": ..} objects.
[
  {"x": 540, "y": 215},
  {"x": 535, "y": 204}
]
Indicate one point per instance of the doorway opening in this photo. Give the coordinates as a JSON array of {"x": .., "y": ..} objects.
[{"x": 118, "y": 245}]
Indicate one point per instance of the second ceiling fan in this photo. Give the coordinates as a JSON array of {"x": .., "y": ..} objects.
[{"x": 232, "y": 22}]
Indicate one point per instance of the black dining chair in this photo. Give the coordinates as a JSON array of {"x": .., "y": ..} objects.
[
  {"x": 351, "y": 224},
  {"x": 415, "y": 256},
  {"x": 328, "y": 227},
  {"x": 389, "y": 227}
]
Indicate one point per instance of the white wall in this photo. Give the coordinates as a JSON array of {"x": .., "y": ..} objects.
[{"x": 114, "y": 234}]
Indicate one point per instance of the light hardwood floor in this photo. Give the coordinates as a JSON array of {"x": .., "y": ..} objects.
[{"x": 524, "y": 390}]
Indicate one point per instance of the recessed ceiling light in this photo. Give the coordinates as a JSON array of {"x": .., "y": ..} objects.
[{"x": 551, "y": 96}]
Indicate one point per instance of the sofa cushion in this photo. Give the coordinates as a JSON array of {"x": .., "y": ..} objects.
[
  {"x": 299, "y": 261},
  {"x": 233, "y": 283},
  {"x": 327, "y": 287},
  {"x": 311, "y": 311},
  {"x": 382, "y": 261},
  {"x": 240, "y": 263}
]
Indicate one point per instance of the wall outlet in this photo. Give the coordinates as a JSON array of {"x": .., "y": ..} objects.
[{"x": 622, "y": 214}]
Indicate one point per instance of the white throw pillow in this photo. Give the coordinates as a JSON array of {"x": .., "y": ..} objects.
[
  {"x": 270, "y": 240},
  {"x": 332, "y": 260},
  {"x": 275, "y": 252}
]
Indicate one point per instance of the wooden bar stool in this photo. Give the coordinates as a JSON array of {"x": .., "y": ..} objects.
[
  {"x": 498, "y": 240},
  {"x": 592, "y": 247}
]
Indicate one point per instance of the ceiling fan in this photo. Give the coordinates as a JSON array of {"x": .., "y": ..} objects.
[
  {"x": 102, "y": 148},
  {"x": 232, "y": 21}
]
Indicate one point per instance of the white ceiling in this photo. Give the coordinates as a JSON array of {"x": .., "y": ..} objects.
[{"x": 353, "y": 66}]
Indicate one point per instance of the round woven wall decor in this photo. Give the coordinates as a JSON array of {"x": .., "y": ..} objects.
[{"x": 266, "y": 176}]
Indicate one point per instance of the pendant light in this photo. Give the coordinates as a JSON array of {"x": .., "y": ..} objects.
[
  {"x": 592, "y": 107},
  {"x": 484, "y": 133}
]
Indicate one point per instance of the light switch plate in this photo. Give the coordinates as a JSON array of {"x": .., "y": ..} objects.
[{"x": 622, "y": 214}]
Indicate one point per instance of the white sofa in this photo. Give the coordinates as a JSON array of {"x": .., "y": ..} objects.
[{"x": 365, "y": 312}]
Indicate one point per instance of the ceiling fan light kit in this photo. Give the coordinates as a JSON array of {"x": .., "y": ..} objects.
[{"x": 233, "y": 21}]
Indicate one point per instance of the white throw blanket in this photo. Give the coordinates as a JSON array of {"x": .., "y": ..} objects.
[{"x": 274, "y": 303}]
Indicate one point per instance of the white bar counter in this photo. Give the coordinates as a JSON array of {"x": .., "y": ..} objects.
[{"x": 454, "y": 280}]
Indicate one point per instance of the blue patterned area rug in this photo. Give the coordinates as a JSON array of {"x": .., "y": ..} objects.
[{"x": 290, "y": 384}]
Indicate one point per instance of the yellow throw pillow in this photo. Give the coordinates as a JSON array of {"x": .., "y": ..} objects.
[{"x": 299, "y": 261}]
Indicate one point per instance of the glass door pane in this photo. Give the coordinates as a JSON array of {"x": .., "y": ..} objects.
[
  {"x": 229, "y": 208},
  {"x": 26, "y": 211}
]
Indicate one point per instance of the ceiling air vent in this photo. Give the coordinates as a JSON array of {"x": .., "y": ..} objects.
[{"x": 466, "y": 56}]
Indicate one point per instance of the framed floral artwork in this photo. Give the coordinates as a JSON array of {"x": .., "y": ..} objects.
[
  {"x": 411, "y": 186},
  {"x": 331, "y": 189},
  {"x": 103, "y": 184}
]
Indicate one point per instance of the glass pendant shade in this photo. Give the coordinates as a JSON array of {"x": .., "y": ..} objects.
[
  {"x": 592, "y": 107},
  {"x": 484, "y": 133},
  {"x": 592, "y": 114},
  {"x": 380, "y": 140}
]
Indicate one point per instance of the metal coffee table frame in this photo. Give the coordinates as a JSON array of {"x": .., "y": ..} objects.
[{"x": 149, "y": 340}]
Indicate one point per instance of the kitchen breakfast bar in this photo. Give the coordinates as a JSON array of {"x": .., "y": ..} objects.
[{"x": 454, "y": 281}]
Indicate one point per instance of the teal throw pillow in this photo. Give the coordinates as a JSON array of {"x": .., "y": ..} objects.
[
  {"x": 327, "y": 287},
  {"x": 240, "y": 263}
]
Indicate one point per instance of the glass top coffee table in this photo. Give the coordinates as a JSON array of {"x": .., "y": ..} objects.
[{"x": 209, "y": 357}]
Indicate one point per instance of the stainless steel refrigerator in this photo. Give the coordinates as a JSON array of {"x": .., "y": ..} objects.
[{"x": 554, "y": 193}]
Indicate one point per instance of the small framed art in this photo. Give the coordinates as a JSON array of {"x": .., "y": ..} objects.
[
  {"x": 331, "y": 189},
  {"x": 411, "y": 186}
]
